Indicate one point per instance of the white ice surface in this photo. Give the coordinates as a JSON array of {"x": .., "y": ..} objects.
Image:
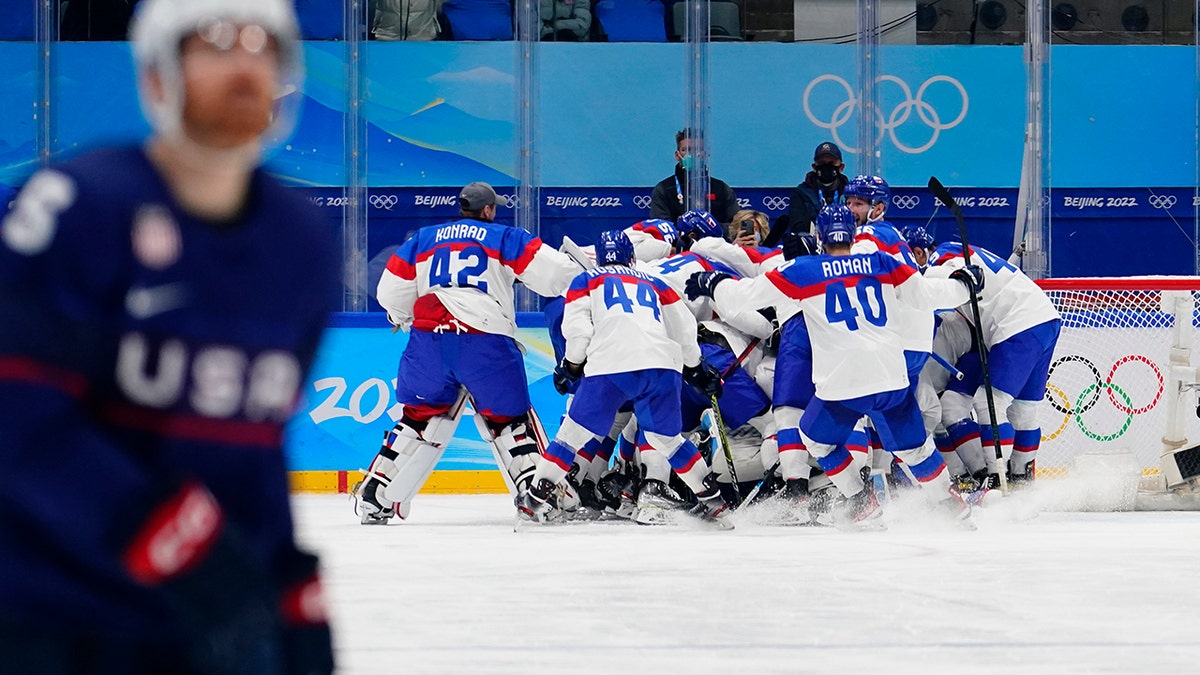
[{"x": 455, "y": 590}]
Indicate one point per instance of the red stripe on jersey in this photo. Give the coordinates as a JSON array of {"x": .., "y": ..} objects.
[
  {"x": 650, "y": 231},
  {"x": 401, "y": 268},
  {"x": 892, "y": 249},
  {"x": 25, "y": 370},
  {"x": 457, "y": 246},
  {"x": 666, "y": 295},
  {"x": 265, "y": 435},
  {"x": 526, "y": 256}
]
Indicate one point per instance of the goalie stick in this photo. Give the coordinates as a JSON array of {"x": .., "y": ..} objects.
[{"x": 943, "y": 195}]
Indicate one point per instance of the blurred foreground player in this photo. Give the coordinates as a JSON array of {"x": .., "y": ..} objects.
[{"x": 162, "y": 306}]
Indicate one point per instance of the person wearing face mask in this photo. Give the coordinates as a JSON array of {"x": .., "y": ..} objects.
[
  {"x": 822, "y": 186},
  {"x": 669, "y": 199}
]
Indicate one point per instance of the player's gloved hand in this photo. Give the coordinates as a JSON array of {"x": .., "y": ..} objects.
[
  {"x": 702, "y": 284},
  {"x": 703, "y": 377},
  {"x": 970, "y": 276},
  {"x": 307, "y": 642},
  {"x": 219, "y": 594},
  {"x": 799, "y": 244},
  {"x": 565, "y": 375}
]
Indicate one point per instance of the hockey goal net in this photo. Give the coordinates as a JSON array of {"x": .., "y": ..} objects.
[{"x": 1111, "y": 386}]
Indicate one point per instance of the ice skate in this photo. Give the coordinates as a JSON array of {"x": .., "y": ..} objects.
[
  {"x": 540, "y": 503},
  {"x": 820, "y": 504},
  {"x": 658, "y": 504},
  {"x": 1023, "y": 480},
  {"x": 957, "y": 509},
  {"x": 615, "y": 491},
  {"x": 860, "y": 511},
  {"x": 370, "y": 504},
  {"x": 790, "y": 504},
  {"x": 711, "y": 508}
]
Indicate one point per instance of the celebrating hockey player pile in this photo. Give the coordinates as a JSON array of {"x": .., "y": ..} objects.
[{"x": 703, "y": 375}]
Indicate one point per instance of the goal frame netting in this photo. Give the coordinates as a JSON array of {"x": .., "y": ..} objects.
[{"x": 1122, "y": 379}]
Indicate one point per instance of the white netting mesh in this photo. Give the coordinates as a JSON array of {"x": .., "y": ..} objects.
[{"x": 1108, "y": 381}]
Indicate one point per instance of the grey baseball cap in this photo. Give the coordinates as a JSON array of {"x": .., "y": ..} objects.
[{"x": 477, "y": 195}]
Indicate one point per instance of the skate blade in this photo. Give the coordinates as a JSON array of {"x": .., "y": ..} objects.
[{"x": 654, "y": 515}]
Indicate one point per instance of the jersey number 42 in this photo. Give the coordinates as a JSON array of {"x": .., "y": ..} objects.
[{"x": 461, "y": 268}]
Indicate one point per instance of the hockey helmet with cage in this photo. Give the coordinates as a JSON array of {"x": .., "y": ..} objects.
[
  {"x": 699, "y": 224},
  {"x": 918, "y": 237},
  {"x": 873, "y": 189},
  {"x": 835, "y": 225},
  {"x": 614, "y": 248},
  {"x": 160, "y": 27}
]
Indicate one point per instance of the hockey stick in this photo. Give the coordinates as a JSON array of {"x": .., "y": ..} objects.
[
  {"x": 726, "y": 450},
  {"x": 954, "y": 372},
  {"x": 576, "y": 253},
  {"x": 943, "y": 195}
]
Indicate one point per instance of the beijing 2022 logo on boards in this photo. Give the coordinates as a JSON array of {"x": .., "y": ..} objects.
[{"x": 888, "y": 121}]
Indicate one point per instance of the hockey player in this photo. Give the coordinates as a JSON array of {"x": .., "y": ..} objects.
[
  {"x": 451, "y": 285},
  {"x": 848, "y": 302},
  {"x": 609, "y": 308},
  {"x": 1020, "y": 327},
  {"x": 161, "y": 308}
]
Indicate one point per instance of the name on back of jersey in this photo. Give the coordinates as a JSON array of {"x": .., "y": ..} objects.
[
  {"x": 460, "y": 231},
  {"x": 838, "y": 267}
]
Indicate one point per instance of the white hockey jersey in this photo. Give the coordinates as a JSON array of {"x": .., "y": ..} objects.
[
  {"x": 849, "y": 305},
  {"x": 620, "y": 320},
  {"x": 916, "y": 325},
  {"x": 678, "y": 268},
  {"x": 459, "y": 276},
  {"x": 1010, "y": 301}
]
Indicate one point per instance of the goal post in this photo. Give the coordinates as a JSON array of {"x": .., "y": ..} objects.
[{"x": 1122, "y": 376}]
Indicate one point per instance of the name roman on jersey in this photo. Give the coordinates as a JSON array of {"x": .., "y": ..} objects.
[
  {"x": 460, "y": 231},
  {"x": 843, "y": 266}
]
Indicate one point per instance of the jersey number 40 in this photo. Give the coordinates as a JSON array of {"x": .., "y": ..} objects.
[{"x": 841, "y": 308}]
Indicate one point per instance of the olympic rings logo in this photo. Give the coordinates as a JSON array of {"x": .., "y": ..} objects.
[
  {"x": 512, "y": 201},
  {"x": 383, "y": 201},
  {"x": 897, "y": 117},
  {"x": 776, "y": 203},
  {"x": 641, "y": 201},
  {"x": 1090, "y": 396},
  {"x": 906, "y": 201},
  {"x": 1162, "y": 201}
]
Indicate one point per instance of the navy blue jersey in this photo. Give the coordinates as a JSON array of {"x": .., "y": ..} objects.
[{"x": 141, "y": 345}]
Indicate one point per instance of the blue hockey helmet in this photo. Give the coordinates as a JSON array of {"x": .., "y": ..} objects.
[
  {"x": 699, "y": 224},
  {"x": 835, "y": 225},
  {"x": 614, "y": 248},
  {"x": 873, "y": 189},
  {"x": 918, "y": 237}
]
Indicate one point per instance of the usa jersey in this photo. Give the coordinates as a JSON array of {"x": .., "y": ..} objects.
[
  {"x": 849, "y": 305},
  {"x": 469, "y": 266},
  {"x": 139, "y": 346},
  {"x": 1010, "y": 301},
  {"x": 620, "y": 320}
]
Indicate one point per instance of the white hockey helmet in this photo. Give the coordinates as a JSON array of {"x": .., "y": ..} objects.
[{"x": 159, "y": 29}]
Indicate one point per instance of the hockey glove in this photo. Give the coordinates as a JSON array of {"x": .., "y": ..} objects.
[
  {"x": 703, "y": 377},
  {"x": 799, "y": 244},
  {"x": 565, "y": 375},
  {"x": 703, "y": 284},
  {"x": 218, "y": 592},
  {"x": 970, "y": 276},
  {"x": 307, "y": 642}
]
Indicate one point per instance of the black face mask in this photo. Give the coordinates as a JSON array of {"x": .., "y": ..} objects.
[{"x": 827, "y": 173}]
